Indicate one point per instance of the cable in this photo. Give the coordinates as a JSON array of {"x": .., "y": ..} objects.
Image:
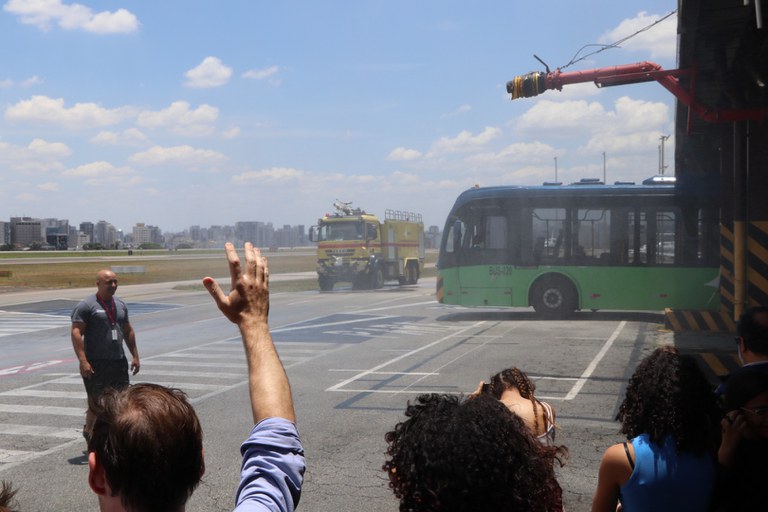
[{"x": 615, "y": 44}]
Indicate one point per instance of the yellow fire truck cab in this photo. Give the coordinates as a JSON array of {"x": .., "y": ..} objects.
[{"x": 354, "y": 246}]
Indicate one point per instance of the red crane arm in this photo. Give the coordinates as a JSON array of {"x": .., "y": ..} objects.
[{"x": 535, "y": 83}]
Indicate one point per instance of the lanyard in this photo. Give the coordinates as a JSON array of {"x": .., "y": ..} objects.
[{"x": 111, "y": 313}]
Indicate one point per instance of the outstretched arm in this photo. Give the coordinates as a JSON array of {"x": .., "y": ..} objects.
[{"x": 247, "y": 305}]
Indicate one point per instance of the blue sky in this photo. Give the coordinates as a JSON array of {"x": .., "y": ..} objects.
[{"x": 178, "y": 113}]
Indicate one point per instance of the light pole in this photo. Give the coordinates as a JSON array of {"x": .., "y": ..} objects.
[
  {"x": 605, "y": 181},
  {"x": 663, "y": 139},
  {"x": 555, "y": 169}
]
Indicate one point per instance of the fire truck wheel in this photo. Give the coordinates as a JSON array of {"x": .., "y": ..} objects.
[
  {"x": 412, "y": 273},
  {"x": 377, "y": 278},
  {"x": 325, "y": 283}
]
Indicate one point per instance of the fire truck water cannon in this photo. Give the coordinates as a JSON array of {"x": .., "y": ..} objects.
[{"x": 536, "y": 82}]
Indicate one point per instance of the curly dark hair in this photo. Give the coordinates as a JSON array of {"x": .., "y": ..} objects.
[
  {"x": 458, "y": 455},
  {"x": 515, "y": 378},
  {"x": 669, "y": 395}
]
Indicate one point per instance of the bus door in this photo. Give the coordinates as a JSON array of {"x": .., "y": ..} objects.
[{"x": 483, "y": 259}]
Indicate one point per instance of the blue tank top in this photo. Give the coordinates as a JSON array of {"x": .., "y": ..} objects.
[{"x": 664, "y": 480}]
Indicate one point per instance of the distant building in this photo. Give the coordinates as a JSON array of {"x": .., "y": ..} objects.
[
  {"x": 143, "y": 234},
  {"x": 86, "y": 228},
  {"x": 432, "y": 237},
  {"x": 5, "y": 233},
  {"x": 105, "y": 234},
  {"x": 26, "y": 231}
]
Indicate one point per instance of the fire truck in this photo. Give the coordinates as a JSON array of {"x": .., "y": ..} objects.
[{"x": 354, "y": 246}]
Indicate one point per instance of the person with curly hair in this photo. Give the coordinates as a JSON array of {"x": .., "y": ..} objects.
[
  {"x": 473, "y": 454},
  {"x": 515, "y": 390},
  {"x": 671, "y": 418},
  {"x": 744, "y": 448}
]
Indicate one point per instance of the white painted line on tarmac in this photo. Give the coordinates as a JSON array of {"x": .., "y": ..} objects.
[
  {"x": 403, "y": 356},
  {"x": 39, "y": 430},
  {"x": 343, "y": 322},
  {"x": 591, "y": 368},
  {"x": 35, "y": 393},
  {"x": 42, "y": 409},
  {"x": 384, "y": 373},
  {"x": 390, "y": 307}
]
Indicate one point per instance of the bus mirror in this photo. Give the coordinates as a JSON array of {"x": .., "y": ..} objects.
[
  {"x": 457, "y": 236},
  {"x": 313, "y": 234}
]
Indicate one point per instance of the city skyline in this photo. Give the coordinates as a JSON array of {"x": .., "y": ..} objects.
[{"x": 193, "y": 113}]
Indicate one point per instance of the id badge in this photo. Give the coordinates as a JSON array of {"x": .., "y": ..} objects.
[{"x": 114, "y": 334}]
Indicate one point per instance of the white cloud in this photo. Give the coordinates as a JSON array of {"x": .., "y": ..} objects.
[
  {"x": 44, "y": 13},
  {"x": 181, "y": 120},
  {"x": 515, "y": 153},
  {"x": 464, "y": 141},
  {"x": 261, "y": 74},
  {"x": 51, "y": 111},
  {"x": 186, "y": 156},
  {"x": 50, "y": 149},
  {"x": 552, "y": 116},
  {"x": 129, "y": 137},
  {"x": 49, "y": 186},
  {"x": 461, "y": 110},
  {"x": 403, "y": 154},
  {"x": 660, "y": 40},
  {"x": 103, "y": 173},
  {"x": 39, "y": 156},
  {"x": 31, "y": 81},
  {"x": 24, "y": 84},
  {"x": 272, "y": 175},
  {"x": 209, "y": 73},
  {"x": 231, "y": 133},
  {"x": 27, "y": 197}
]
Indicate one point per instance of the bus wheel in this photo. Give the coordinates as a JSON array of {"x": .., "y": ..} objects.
[
  {"x": 554, "y": 297},
  {"x": 325, "y": 283},
  {"x": 377, "y": 278}
]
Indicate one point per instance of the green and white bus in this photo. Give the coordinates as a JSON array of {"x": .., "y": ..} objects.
[{"x": 560, "y": 248}]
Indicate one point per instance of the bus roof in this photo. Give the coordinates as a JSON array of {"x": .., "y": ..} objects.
[{"x": 586, "y": 189}]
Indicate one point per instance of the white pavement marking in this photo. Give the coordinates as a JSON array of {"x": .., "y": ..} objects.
[
  {"x": 10, "y": 456},
  {"x": 42, "y": 409},
  {"x": 39, "y": 430},
  {"x": 592, "y": 365},
  {"x": 403, "y": 356},
  {"x": 41, "y": 393},
  {"x": 329, "y": 324},
  {"x": 18, "y": 323}
]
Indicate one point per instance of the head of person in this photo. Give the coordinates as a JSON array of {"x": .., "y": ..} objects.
[
  {"x": 752, "y": 329},
  {"x": 669, "y": 395},
  {"x": 511, "y": 378},
  {"x": 455, "y": 455},
  {"x": 146, "y": 450},
  {"x": 106, "y": 283},
  {"x": 747, "y": 392}
]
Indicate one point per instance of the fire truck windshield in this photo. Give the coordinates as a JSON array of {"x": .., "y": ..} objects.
[{"x": 341, "y": 230}]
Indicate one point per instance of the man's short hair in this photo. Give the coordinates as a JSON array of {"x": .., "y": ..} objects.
[
  {"x": 454, "y": 455},
  {"x": 149, "y": 441},
  {"x": 753, "y": 329}
]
